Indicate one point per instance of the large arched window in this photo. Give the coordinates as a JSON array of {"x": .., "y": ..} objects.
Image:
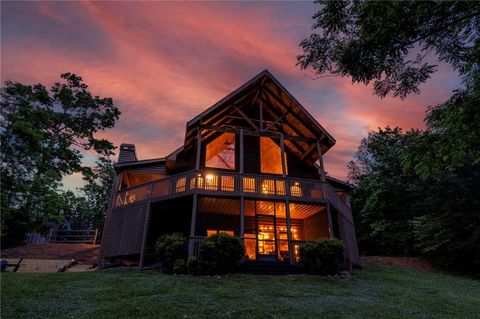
[{"x": 220, "y": 152}]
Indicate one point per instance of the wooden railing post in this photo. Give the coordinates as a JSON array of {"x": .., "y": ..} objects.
[{"x": 94, "y": 242}]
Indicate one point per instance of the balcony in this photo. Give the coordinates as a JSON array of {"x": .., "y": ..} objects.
[{"x": 223, "y": 184}]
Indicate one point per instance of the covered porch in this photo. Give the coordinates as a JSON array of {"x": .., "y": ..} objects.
[{"x": 271, "y": 230}]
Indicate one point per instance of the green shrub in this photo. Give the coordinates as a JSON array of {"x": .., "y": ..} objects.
[
  {"x": 321, "y": 257},
  {"x": 194, "y": 267},
  {"x": 170, "y": 248},
  {"x": 179, "y": 267},
  {"x": 220, "y": 254}
]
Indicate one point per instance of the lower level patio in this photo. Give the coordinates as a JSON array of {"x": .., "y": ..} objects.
[{"x": 266, "y": 231}]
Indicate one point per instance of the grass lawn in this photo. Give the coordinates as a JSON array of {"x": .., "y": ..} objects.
[{"x": 375, "y": 292}]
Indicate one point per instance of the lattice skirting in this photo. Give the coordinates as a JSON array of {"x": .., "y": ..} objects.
[{"x": 125, "y": 231}]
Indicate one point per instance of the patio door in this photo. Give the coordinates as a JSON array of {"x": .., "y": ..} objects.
[{"x": 266, "y": 238}]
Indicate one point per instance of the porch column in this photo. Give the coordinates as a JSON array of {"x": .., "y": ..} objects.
[
  {"x": 199, "y": 148},
  {"x": 323, "y": 178},
  {"x": 145, "y": 228},
  {"x": 289, "y": 231},
  {"x": 242, "y": 159},
  {"x": 287, "y": 201},
  {"x": 192, "y": 225},
  {"x": 282, "y": 150}
]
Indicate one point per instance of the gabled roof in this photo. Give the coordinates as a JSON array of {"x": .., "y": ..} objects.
[{"x": 278, "y": 103}]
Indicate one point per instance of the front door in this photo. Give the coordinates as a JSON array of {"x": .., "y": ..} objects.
[{"x": 266, "y": 238}]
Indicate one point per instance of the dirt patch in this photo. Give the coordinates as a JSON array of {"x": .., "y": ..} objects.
[
  {"x": 402, "y": 261},
  {"x": 82, "y": 253}
]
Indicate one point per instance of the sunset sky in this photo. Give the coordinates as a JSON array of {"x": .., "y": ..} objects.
[{"x": 164, "y": 62}]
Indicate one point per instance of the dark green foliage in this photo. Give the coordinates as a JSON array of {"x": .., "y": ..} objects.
[
  {"x": 97, "y": 191},
  {"x": 417, "y": 191},
  {"x": 179, "y": 267},
  {"x": 43, "y": 133},
  {"x": 170, "y": 248},
  {"x": 194, "y": 267},
  {"x": 448, "y": 231},
  {"x": 322, "y": 256},
  {"x": 220, "y": 254},
  {"x": 400, "y": 208},
  {"x": 383, "y": 199},
  {"x": 390, "y": 42}
]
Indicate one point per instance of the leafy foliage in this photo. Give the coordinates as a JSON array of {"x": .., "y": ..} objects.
[
  {"x": 399, "y": 212},
  {"x": 417, "y": 191},
  {"x": 321, "y": 257},
  {"x": 383, "y": 189},
  {"x": 43, "y": 133},
  {"x": 179, "y": 267},
  {"x": 220, "y": 254},
  {"x": 171, "y": 248},
  {"x": 389, "y": 42}
]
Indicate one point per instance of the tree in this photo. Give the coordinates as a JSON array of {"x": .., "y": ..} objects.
[
  {"x": 417, "y": 191},
  {"x": 398, "y": 212},
  {"x": 42, "y": 134},
  {"x": 98, "y": 190},
  {"x": 384, "y": 193},
  {"x": 389, "y": 42}
]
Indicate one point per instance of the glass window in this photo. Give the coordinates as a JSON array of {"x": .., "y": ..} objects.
[
  {"x": 270, "y": 156},
  {"x": 221, "y": 152}
]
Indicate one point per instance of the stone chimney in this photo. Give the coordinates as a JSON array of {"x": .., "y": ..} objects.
[{"x": 127, "y": 153}]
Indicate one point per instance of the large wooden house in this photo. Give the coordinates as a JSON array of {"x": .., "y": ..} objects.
[{"x": 251, "y": 166}]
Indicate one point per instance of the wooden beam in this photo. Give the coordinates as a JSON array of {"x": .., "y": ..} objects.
[
  {"x": 310, "y": 149},
  {"x": 199, "y": 148},
  {"x": 261, "y": 114},
  {"x": 321, "y": 169},
  {"x": 245, "y": 117},
  {"x": 277, "y": 120},
  {"x": 257, "y": 133},
  {"x": 276, "y": 98},
  {"x": 282, "y": 154},
  {"x": 242, "y": 150}
]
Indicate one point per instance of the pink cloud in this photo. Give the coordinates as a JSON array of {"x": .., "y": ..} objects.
[{"x": 163, "y": 63}]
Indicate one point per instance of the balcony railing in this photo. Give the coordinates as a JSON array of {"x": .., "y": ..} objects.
[{"x": 223, "y": 183}]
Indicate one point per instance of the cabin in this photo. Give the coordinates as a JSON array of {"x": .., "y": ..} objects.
[{"x": 251, "y": 166}]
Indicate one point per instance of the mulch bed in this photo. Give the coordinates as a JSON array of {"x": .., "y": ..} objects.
[
  {"x": 402, "y": 261},
  {"x": 82, "y": 253}
]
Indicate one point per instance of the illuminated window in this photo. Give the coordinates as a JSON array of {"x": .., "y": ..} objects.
[
  {"x": 270, "y": 156},
  {"x": 221, "y": 152},
  {"x": 180, "y": 184},
  {"x": 295, "y": 190},
  {"x": 212, "y": 232}
]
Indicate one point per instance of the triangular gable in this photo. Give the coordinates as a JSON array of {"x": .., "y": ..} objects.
[{"x": 281, "y": 113}]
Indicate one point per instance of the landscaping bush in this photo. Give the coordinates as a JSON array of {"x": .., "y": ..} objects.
[
  {"x": 194, "y": 267},
  {"x": 179, "y": 267},
  {"x": 170, "y": 248},
  {"x": 220, "y": 254},
  {"x": 321, "y": 257}
]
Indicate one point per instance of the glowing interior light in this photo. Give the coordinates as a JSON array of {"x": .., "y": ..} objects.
[{"x": 209, "y": 177}]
